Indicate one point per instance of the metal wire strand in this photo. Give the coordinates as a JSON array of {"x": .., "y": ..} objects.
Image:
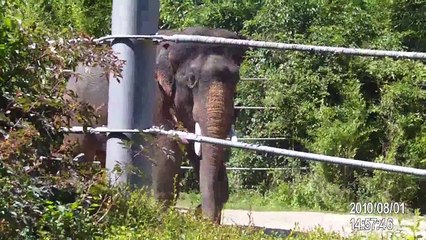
[
  {"x": 270, "y": 45},
  {"x": 255, "y": 147}
]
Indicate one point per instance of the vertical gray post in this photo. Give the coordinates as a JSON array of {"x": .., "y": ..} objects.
[{"x": 131, "y": 99}]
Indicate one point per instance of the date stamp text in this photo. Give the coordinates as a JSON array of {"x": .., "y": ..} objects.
[{"x": 377, "y": 208}]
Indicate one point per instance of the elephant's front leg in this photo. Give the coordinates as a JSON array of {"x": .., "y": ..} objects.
[
  {"x": 222, "y": 190},
  {"x": 166, "y": 170},
  {"x": 194, "y": 160}
]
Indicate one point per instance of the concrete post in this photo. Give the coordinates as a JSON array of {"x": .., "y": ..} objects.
[{"x": 130, "y": 102}]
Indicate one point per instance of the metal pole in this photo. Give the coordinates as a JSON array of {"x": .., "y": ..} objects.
[{"x": 131, "y": 17}]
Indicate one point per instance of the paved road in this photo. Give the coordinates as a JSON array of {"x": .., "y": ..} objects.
[{"x": 283, "y": 222}]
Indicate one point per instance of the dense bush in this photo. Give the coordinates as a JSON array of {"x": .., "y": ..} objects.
[
  {"x": 43, "y": 192},
  {"x": 364, "y": 108}
]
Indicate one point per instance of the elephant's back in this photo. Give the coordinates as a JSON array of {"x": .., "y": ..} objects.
[{"x": 91, "y": 88}]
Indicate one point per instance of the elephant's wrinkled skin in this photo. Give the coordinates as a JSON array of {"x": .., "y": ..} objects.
[{"x": 206, "y": 78}]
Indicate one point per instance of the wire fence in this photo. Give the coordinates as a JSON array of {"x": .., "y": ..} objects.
[
  {"x": 269, "y": 45},
  {"x": 190, "y": 167},
  {"x": 262, "y": 138},
  {"x": 253, "y": 79},
  {"x": 69, "y": 71},
  {"x": 255, "y": 168},
  {"x": 255, "y": 108},
  {"x": 79, "y": 129},
  {"x": 260, "y": 148}
]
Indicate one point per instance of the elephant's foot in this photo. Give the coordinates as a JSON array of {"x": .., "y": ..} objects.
[
  {"x": 198, "y": 210},
  {"x": 165, "y": 200},
  {"x": 217, "y": 219}
]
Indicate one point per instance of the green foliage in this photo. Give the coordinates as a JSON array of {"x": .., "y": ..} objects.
[
  {"x": 228, "y": 14},
  {"x": 410, "y": 17},
  {"x": 365, "y": 108},
  {"x": 138, "y": 216},
  {"x": 300, "y": 194},
  {"x": 42, "y": 197},
  {"x": 144, "y": 220},
  {"x": 83, "y": 16},
  {"x": 311, "y": 194}
]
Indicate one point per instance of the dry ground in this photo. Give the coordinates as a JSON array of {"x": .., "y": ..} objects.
[{"x": 283, "y": 222}]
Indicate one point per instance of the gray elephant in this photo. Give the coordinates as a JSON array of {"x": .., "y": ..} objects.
[
  {"x": 93, "y": 89},
  {"x": 196, "y": 87},
  {"x": 205, "y": 79}
]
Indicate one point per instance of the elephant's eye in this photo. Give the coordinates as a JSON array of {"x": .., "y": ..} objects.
[
  {"x": 170, "y": 80},
  {"x": 192, "y": 81}
]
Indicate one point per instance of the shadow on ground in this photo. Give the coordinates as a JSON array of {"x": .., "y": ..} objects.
[{"x": 277, "y": 232}]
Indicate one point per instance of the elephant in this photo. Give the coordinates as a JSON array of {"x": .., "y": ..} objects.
[
  {"x": 92, "y": 89},
  {"x": 203, "y": 86},
  {"x": 195, "y": 89}
]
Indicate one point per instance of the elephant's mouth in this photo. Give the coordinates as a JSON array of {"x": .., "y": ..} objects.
[
  {"x": 197, "y": 146},
  {"x": 220, "y": 112},
  {"x": 217, "y": 119}
]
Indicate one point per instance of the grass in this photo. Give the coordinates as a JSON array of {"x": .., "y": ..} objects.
[
  {"x": 137, "y": 216},
  {"x": 255, "y": 201},
  {"x": 140, "y": 217},
  {"x": 143, "y": 219},
  {"x": 244, "y": 199}
]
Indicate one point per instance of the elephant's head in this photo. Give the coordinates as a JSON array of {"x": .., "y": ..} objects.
[
  {"x": 208, "y": 75},
  {"x": 211, "y": 72}
]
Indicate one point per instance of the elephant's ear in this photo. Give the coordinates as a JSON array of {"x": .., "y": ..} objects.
[
  {"x": 239, "y": 51},
  {"x": 164, "y": 72}
]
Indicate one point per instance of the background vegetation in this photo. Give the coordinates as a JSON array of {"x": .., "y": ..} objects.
[{"x": 366, "y": 108}]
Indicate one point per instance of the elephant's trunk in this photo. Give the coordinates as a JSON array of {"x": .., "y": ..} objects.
[
  {"x": 218, "y": 120},
  {"x": 219, "y": 110}
]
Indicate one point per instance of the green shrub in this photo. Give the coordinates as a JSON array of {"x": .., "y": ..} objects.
[{"x": 44, "y": 192}]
